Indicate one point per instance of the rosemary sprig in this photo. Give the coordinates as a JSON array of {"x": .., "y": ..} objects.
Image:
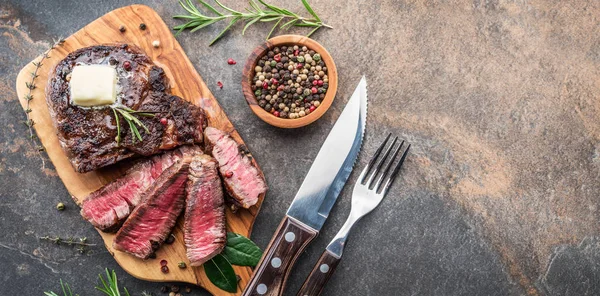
[
  {"x": 110, "y": 286},
  {"x": 196, "y": 20},
  {"x": 130, "y": 117},
  {"x": 29, "y": 97},
  {"x": 81, "y": 242},
  {"x": 65, "y": 288}
]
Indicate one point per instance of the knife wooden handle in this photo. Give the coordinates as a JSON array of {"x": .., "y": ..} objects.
[
  {"x": 318, "y": 277},
  {"x": 290, "y": 239}
]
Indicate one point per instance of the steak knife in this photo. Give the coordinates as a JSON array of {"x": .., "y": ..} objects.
[{"x": 315, "y": 198}]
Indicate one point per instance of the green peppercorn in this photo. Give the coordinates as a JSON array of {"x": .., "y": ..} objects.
[
  {"x": 316, "y": 57},
  {"x": 300, "y": 59},
  {"x": 257, "y": 92},
  {"x": 60, "y": 206},
  {"x": 273, "y": 63},
  {"x": 182, "y": 265}
]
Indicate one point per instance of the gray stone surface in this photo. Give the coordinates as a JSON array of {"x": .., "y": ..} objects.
[{"x": 499, "y": 195}]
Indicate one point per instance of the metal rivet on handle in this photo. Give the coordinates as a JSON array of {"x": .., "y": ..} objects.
[
  {"x": 276, "y": 262},
  {"x": 324, "y": 268},
  {"x": 290, "y": 237},
  {"x": 261, "y": 289}
]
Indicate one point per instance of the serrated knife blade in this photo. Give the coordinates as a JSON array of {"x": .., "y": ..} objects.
[{"x": 333, "y": 164}]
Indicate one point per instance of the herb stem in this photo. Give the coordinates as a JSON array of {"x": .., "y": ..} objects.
[
  {"x": 29, "y": 97},
  {"x": 270, "y": 13}
]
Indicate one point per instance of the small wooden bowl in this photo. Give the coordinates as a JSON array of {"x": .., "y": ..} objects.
[{"x": 248, "y": 75}]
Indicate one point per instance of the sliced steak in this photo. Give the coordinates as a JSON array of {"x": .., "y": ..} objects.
[
  {"x": 151, "y": 221},
  {"x": 87, "y": 135},
  {"x": 243, "y": 181},
  {"x": 204, "y": 226},
  {"x": 108, "y": 207}
]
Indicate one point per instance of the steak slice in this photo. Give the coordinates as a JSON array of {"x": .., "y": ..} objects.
[
  {"x": 243, "y": 181},
  {"x": 204, "y": 220},
  {"x": 151, "y": 221},
  {"x": 108, "y": 207},
  {"x": 87, "y": 135}
]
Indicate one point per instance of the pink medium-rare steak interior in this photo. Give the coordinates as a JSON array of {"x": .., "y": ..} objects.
[
  {"x": 243, "y": 181},
  {"x": 108, "y": 207},
  {"x": 151, "y": 221},
  {"x": 204, "y": 227}
]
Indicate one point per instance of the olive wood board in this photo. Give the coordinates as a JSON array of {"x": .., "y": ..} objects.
[{"x": 186, "y": 83}]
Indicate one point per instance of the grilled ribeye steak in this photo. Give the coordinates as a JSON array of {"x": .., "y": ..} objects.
[
  {"x": 243, "y": 181},
  {"x": 108, "y": 207},
  {"x": 152, "y": 220},
  {"x": 204, "y": 220},
  {"x": 88, "y": 135}
]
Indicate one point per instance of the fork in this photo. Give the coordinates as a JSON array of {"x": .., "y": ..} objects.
[{"x": 366, "y": 196}]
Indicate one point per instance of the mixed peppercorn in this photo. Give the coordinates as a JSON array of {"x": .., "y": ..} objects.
[{"x": 290, "y": 81}]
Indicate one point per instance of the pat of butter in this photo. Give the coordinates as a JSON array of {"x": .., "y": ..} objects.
[{"x": 93, "y": 85}]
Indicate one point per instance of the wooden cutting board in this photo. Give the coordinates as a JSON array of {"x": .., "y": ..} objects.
[{"x": 186, "y": 83}]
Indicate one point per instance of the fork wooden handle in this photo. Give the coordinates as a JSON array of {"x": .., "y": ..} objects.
[
  {"x": 318, "y": 277},
  {"x": 290, "y": 239}
]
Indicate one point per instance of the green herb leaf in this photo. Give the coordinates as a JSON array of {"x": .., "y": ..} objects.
[
  {"x": 249, "y": 24},
  {"x": 110, "y": 286},
  {"x": 240, "y": 250},
  {"x": 210, "y": 7},
  {"x": 274, "y": 26},
  {"x": 196, "y": 20},
  {"x": 310, "y": 10},
  {"x": 220, "y": 272},
  {"x": 130, "y": 117},
  {"x": 312, "y": 31},
  {"x": 233, "y": 21}
]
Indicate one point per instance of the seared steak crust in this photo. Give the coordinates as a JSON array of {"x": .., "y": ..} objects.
[
  {"x": 243, "y": 181},
  {"x": 204, "y": 220},
  {"x": 151, "y": 221},
  {"x": 87, "y": 135}
]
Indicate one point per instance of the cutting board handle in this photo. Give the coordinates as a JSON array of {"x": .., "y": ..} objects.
[{"x": 270, "y": 276}]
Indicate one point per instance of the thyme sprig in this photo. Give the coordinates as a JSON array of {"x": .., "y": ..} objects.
[
  {"x": 29, "y": 97},
  {"x": 130, "y": 117},
  {"x": 282, "y": 17},
  {"x": 81, "y": 242}
]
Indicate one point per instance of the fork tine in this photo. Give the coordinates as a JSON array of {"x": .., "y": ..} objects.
[
  {"x": 392, "y": 176},
  {"x": 380, "y": 162},
  {"x": 366, "y": 170},
  {"x": 387, "y": 167}
]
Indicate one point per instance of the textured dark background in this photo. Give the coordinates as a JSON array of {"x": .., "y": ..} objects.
[{"x": 499, "y": 196}]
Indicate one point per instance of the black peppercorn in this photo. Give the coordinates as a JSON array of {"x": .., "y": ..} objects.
[
  {"x": 270, "y": 54},
  {"x": 170, "y": 239},
  {"x": 122, "y": 29},
  {"x": 154, "y": 245},
  {"x": 164, "y": 289},
  {"x": 174, "y": 288},
  {"x": 142, "y": 26},
  {"x": 268, "y": 107},
  {"x": 262, "y": 103}
]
